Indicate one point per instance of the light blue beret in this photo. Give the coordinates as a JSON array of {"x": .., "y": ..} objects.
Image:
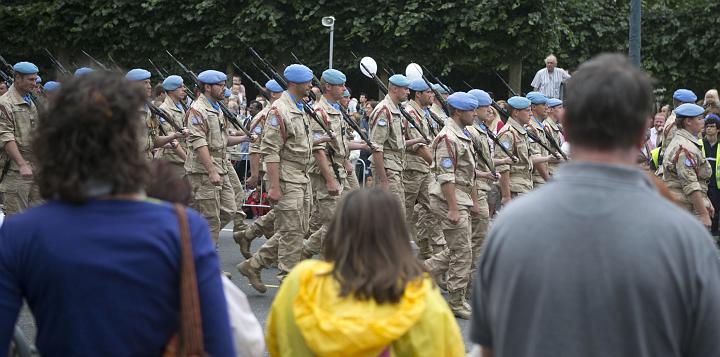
[
  {"x": 482, "y": 97},
  {"x": 25, "y": 68},
  {"x": 689, "y": 110},
  {"x": 51, "y": 86},
  {"x": 519, "y": 102},
  {"x": 554, "y": 102},
  {"x": 212, "y": 76},
  {"x": 82, "y": 71},
  {"x": 172, "y": 82},
  {"x": 298, "y": 73},
  {"x": 273, "y": 86},
  {"x": 685, "y": 96},
  {"x": 346, "y": 93},
  {"x": 333, "y": 76},
  {"x": 399, "y": 80},
  {"x": 439, "y": 88},
  {"x": 38, "y": 79},
  {"x": 462, "y": 101},
  {"x": 227, "y": 92},
  {"x": 137, "y": 74},
  {"x": 536, "y": 98},
  {"x": 418, "y": 85}
]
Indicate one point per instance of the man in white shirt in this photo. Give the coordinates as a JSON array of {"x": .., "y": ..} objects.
[{"x": 548, "y": 80}]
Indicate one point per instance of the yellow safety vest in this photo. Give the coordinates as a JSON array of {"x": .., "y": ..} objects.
[
  {"x": 655, "y": 156},
  {"x": 716, "y": 159}
]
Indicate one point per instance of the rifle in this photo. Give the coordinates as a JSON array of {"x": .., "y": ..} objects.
[
  {"x": 257, "y": 85},
  {"x": 386, "y": 68},
  {"x": 57, "y": 63},
  {"x": 100, "y": 64},
  {"x": 505, "y": 115},
  {"x": 468, "y": 85},
  {"x": 226, "y": 112},
  {"x": 439, "y": 97},
  {"x": 506, "y": 84},
  {"x": 117, "y": 67},
  {"x": 404, "y": 113},
  {"x": 161, "y": 114},
  {"x": 306, "y": 108},
  {"x": 448, "y": 89}
]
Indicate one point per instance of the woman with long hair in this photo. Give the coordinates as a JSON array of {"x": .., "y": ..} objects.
[{"x": 369, "y": 297}]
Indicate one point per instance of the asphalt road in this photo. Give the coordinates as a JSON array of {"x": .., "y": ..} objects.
[{"x": 229, "y": 257}]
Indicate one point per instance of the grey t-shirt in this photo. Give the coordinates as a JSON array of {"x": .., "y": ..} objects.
[{"x": 597, "y": 263}]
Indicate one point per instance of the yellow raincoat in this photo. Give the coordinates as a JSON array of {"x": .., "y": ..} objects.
[{"x": 309, "y": 318}]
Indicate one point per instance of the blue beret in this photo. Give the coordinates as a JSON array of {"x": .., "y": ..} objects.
[
  {"x": 346, "y": 93},
  {"x": 554, "y": 102},
  {"x": 212, "y": 76},
  {"x": 227, "y": 92},
  {"x": 51, "y": 86},
  {"x": 482, "y": 97},
  {"x": 689, "y": 110},
  {"x": 298, "y": 73},
  {"x": 418, "y": 85},
  {"x": 273, "y": 86},
  {"x": 439, "y": 88},
  {"x": 462, "y": 101},
  {"x": 82, "y": 71},
  {"x": 536, "y": 98},
  {"x": 333, "y": 76},
  {"x": 519, "y": 102},
  {"x": 25, "y": 68},
  {"x": 172, "y": 82},
  {"x": 399, "y": 80},
  {"x": 685, "y": 96},
  {"x": 137, "y": 74},
  {"x": 38, "y": 79}
]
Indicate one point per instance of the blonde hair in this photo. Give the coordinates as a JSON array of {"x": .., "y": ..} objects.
[{"x": 711, "y": 96}]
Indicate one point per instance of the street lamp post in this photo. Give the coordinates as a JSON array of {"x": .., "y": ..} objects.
[
  {"x": 329, "y": 21},
  {"x": 635, "y": 30}
]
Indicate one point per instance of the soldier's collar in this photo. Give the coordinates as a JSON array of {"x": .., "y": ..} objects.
[
  {"x": 516, "y": 126},
  {"x": 293, "y": 104},
  {"x": 459, "y": 132},
  {"x": 174, "y": 106},
  {"x": 330, "y": 107},
  {"x": 687, "y": 135},
  {"x": 16, "y": 97},
  {"x": 391, "y": 105}
]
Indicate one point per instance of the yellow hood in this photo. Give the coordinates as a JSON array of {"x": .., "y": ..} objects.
[{"x": 335, "y": 326}]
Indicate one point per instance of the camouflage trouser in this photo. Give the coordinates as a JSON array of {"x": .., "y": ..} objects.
[
  {"x": 480, "y": 224},
  {"x": 215, "y": 203},
  {"x": 395, "y": 186},
  {"x": 178, "y": 168},
  {"x": 455, "y": 259},
  {"x": 239, "y": 216},
  {"x": 19, "y": 193},
  {"x": 263, "y": 226},
  {"x": 324, "y": 209},
  {"x": 421, "y": 222},
  {"x": 291, "y": 222}
]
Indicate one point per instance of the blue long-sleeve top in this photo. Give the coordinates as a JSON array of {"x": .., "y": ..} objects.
[{"x": 102, "y": 278}]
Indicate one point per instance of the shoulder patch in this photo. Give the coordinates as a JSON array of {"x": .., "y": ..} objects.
[
  {"x": 506, "y": 144},
  {"x": 195, "y": 120},
  {"x": 381, "y": 122},
  {"x": 258, "y": 129},
  {"x": 530, "y": 140},
  {"x": 446, "y": 162},
  {"x": 317, "y": 135},
  {"x": 688, "y": 163},
  {"x": 273, "y": 121}
]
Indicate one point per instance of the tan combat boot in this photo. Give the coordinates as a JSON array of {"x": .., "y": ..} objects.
[
  {"x": 456, "y": 301},
  {"x": 252, "y": 275},
  {"x": 243, "y": 241}
]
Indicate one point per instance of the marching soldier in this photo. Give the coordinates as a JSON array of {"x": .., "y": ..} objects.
[
  {"x": 330, "y": 156},
  {"x": 536, "y": 127},
  {"x": 265, "y": 224},
  {"x": 286, "y": 149},
  {"x": 352, "y": 182},
  {"x": 151, "y": 138},
  {"x": 386, "y": 135},
  {"x": 515, "y": 178},
  {"x": 552, "y": 127},
  {"x": 18, "y": 118},
  {"x": 176, "y": 153},
  {"x": 453, "y": 198},
  {"x": 686, "y": 170},
  {"x": 416, "y": 176},
  {"x": 680, "y": 97},
  {"x": 207, "y": 165}
]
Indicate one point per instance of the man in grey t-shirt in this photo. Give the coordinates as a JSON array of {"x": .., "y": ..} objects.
[{"x": 597, "y": 262}]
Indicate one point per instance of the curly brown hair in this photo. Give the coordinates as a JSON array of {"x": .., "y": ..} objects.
[{"x": 87, "y": 142}]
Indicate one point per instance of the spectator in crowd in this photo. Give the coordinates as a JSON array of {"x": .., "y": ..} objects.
[
  {"x": 3, "y": 87},
  {"x": 105, "y": 257},
  {"x": 656, "y": 131},
  {"x": 369, "y": 297},
  {"x": 158, "y": 95},
  {"x": 548, "y": 80},
  {"x": 712, "y": 107},
  {"x": 712, "y": 153},
  {"x": 238, "y": 90},
  {"x": 363, "y": 169},
  {"x": 711, "y": 96},
  {"x": 666, "y": 111},
  {"x": 631, "y": 275}
]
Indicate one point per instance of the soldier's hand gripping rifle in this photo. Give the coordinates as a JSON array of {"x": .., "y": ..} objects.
[
  {"x": 57, "y": 63},
  {"x": 306, "y": 108},
  {"x": 365, "y": 66},
  {"x": 226, "y": 112}
]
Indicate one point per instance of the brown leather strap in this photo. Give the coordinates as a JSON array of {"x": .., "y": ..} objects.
[{"x": 191, "y": 334}]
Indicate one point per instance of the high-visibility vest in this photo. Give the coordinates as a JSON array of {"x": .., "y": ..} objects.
[
  {"x": 716, "y": 159},
  {"x": 655, "y": 156}
]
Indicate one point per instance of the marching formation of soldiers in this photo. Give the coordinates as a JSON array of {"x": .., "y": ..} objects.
[{"x": 437, "y": 151}]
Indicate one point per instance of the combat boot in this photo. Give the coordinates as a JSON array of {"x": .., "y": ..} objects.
[
  {"x": 242, "y": 240},
  {"x": 456, "y": 301},
  {"x": 252, "y": 276}
]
